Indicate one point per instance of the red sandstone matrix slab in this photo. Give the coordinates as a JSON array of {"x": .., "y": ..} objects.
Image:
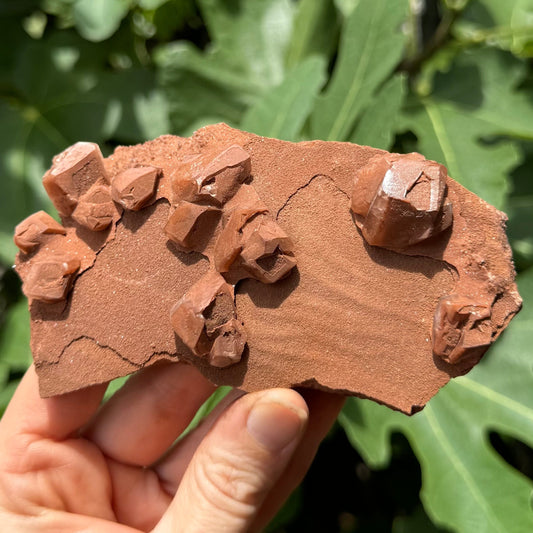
[{"x": 264, "y": 263}]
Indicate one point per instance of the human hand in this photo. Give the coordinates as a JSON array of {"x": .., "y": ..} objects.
[{"x": 68, "y": 464}]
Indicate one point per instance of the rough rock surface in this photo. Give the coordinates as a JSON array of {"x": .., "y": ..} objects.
[{"x": 265, "y": 263}]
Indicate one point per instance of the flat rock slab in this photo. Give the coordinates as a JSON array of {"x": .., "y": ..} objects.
[{"x": 144, "y": 260}]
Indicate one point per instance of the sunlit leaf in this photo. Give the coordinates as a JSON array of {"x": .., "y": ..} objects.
[
  {"x": 97, "y": 20},
  {"x": 282, "y": 112},
  {"x": 371, "y": 46},
  {"x": 196, "y": 87},
  {"x": 15, "y": 351},
  {"x": 508, "y": 24},
  {"x": 379, "y": 121},
  {"x": 250, "y": 36},
  {"x": 315, "y": 31}
]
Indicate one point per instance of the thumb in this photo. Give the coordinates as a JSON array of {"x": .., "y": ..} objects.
[{"x": 237, "y": 464}]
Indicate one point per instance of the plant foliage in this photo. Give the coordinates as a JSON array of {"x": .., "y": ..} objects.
[{"x": 449, "y": 78}]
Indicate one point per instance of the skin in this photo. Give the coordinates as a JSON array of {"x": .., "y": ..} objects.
[{"x": 69, "y": 464}]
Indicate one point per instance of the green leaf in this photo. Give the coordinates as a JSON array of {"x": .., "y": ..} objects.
[
  {"x": 281, "y": 113},
  {"x": 475, "y": 101},
  {"x": 519, "y": 208},
  {"x": 371, "y": 46},
  {"x": 464, "y": 481},
  {"x": 315, "y": 31},
  {"x": 507, "y": 24},
  {"x": 454, "y": 138},
  {"x": 483, "y": 83},
  {"x": 196, "y": 87},
  {"x": 114, "y": 386},
  {"x": 140, "y": 107},
  {"x": 15, "y": 351},
  {"x": 244, "y": 59},
  {"x": 346, "y": 6},
  {"x": 172, "y": 16},
  {"x": 379, "y": 121},
  {"x": 151, "y": 4},
  {"x": 97, "y": 20},
  {"x": 250, "y": 36},
  {"x": 417, "y": 522}
]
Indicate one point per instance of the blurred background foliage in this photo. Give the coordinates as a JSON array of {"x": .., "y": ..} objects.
[{"x": 452, "y": 79}]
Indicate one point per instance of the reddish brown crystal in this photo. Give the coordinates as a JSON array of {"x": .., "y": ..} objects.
[
  {"x": 72, "y": 174},
  {"x": 34, "y": 231},
  {"x": 266, "y": 250},
  {"x": 50, "y": 280},
  {"x": 135, "y": 187},
  {"x": 401, "y": 200},
  {"x": 218, "y": 181},
  {"x": 189, "y": 223},
  {"x": 205, "y": 320},
  {"x": 95, "y": 209},
  {"x": 461, "y": 328}
]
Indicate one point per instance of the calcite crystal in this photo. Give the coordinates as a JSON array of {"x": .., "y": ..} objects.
[{"x": 264, "y": 263}]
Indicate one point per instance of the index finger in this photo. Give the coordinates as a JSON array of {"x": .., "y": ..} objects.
[{"x": 54, "y": 418}]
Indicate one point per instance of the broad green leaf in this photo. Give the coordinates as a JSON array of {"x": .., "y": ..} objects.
[
  {"x": 346, "y": 6},
  {"x": 453, "y": 137},
  {"x": 15, "y": 351},
  {"x": 171, "y": 17},
  {"x": 244, "y": 59},
  {"x": 508, "y": 24},
  {"x": 379, "y": 120},
  {"x": 418, "y": 522},
  {"x": 250, "y": 36},
  {"x": 466, "y": 485},
  {"x": 140, "y": 107},
  {"x": 475, "y": 101},
  {"x": 281, "y": 113},
  {"x": 97, "y": 20},
  {"x": 196, "y": 87},
  {"x": 115, "y": 386},
  {"x": 151, "y": 4},
  {"x": 483, "y": 83},
  {"x": 519, "y": 208},
  {"x": 371, "y": 46},
  {"x": 315, "y": 31}
]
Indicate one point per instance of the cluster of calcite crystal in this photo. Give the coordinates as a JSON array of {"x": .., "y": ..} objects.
[
  {"x": 213, "y": 212},
  {"x": 250, "y": 244}
]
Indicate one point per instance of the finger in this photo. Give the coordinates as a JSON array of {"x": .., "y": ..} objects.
[
  {"x": 237, "y": 464},
  {"x": 171, "y": 467},
  {"x": 60, "y": 522},
  {"x": 144, "y": 418},
  {"x": 55, "y": 418},
  {"x": 324, "y": 408},
  {"x": 142, "y": 497}
]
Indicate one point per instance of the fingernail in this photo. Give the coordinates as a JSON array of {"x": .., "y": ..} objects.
[{"x": 275, "y": 423}]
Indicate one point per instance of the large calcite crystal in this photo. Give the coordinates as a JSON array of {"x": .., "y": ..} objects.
[{"x": 264, "y": 263}]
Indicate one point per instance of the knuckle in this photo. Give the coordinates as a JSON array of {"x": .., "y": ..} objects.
[{"x": 230, "y": 483}]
